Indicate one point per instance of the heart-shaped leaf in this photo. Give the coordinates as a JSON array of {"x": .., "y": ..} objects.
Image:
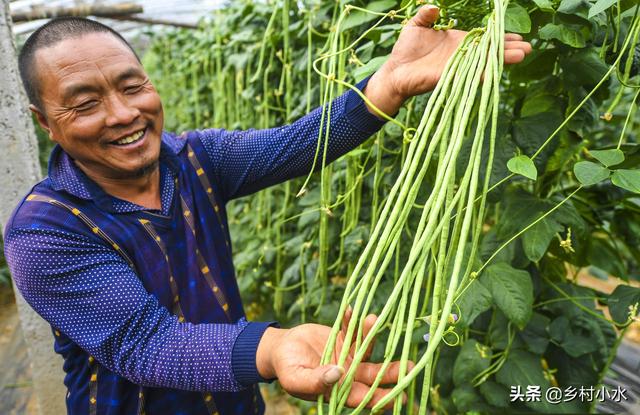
[
  {"x": 608, "y": 157},
  {"x": 589, "y": 173},
  {"x": 536, "y": 240},
  {"x": 368, "y": 68},
  {"x": 623, "y": 297},
  {"x": 570, "y": 37},
  {"x": 472, "y": 359},
  {"x": 600, "y": 6},
  {"x": 627, "y": 179},
  {"x": 357, "y": 18},
  {"x": 517, "y": 19},
  {"x": 512, "y": 291},
  {"x": 545, "y": 5},
  {"x": 524, "y": 166}
]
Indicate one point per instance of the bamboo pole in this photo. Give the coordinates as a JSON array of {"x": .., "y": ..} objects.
[
  {"x": 43, "y": 12},
  {"x": 150, "y": 20}
]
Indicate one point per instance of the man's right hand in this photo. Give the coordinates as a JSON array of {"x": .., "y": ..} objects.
[{"x": 419, "y": 57}]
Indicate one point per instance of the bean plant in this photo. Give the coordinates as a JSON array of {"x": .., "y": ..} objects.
[{"x": 467, "y": 223}]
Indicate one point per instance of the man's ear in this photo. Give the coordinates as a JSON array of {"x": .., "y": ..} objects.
[{"x": 42, "y": 119}]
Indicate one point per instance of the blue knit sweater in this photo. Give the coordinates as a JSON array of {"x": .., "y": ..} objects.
[{"x": 144, "y": 304}]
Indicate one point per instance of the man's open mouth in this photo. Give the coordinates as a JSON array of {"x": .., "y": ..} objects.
[{"x": 130, "y": 139}]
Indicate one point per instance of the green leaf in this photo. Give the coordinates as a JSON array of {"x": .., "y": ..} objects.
[
  {"x": 608, "y": 335},
  {"x": 308, "y": 218},
  {"x": 608, "y": 157},
  {"x": 628, "y": 4},
  {"x": 570, "y": 146},
  {"x": 443, "y": 374},
  {"x": 475, "y": 300},
  {"x": 499, "y": 338},
  {"x": 291, "y": 274},
  {"x": 310, "y": 198},
  {"x": 368, "y": 68},
  {"x": 569, "y": 308},
  {"x": 357, "y": 18},
  {"x": 600, "y": 6},
  {"x": 606, "y": 256},
  {"x": 495, "y": 394},
  {"x": 540, "y": 103},
  {"x": 522, "y": 208},
  {"x": 517, "y": 19},
  {"x": 589, "y": 173},
  {"x": 524, "y": 166},
  {"x": 525, "y": 369},
  {"x": 572, "y": 336},
  {"x": 536, "y": 240},
  {"x": 621, "y": 299},
  {"x": 466, "y": 399},
  {"x": 627, "y": 179},
  {"x": 535, "y": 333},
  {"x": 355, "y": 240},
  {"x": 475, "y": 261},
  {"x": 544, "y": 5},
  {"x": 472, "y": 359},
  {"x": 573, "y": 371},
  {"x": 575, "y": 7},
  {"x": 568, "y": 6},
  {"x": 573, "y": 38},
  {"x": 539, "y": 64},
  {"x": 522, "y": 369},
  {"x": 530, "y": 132},
  {"x": 592, "y": 69},
  {"x": 512, "y": 291},
  {"x": 490, "y": 244}
]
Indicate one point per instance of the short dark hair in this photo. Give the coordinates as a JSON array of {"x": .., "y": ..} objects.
[{"x": 48, "y": 35}]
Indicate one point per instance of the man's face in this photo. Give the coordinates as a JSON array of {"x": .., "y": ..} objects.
[{"x": 100, "y": 106}]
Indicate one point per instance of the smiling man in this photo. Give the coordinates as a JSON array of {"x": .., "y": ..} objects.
[{"x": 124, "y": 247}]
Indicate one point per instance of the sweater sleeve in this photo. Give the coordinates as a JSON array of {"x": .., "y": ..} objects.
[
  {"x": 88, "y": 292},
  {"x": 247, "y": 161}
]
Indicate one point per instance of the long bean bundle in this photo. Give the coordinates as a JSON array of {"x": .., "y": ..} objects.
[{"x": 464, "y": 106}]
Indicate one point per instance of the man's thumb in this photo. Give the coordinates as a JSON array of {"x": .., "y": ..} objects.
[
  {"x": 426, "y": 16},
  {"x": 332, "y": 374}
]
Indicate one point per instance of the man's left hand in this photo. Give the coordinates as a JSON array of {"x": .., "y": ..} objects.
[{"x": 293, "y": 356}]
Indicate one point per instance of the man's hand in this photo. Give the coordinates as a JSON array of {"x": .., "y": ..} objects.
[
  {"x": 419, "y": 57},
  {"x": 293, "y": 356}
]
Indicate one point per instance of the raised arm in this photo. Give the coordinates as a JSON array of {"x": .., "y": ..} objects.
[{"x": 247, "y": 161}]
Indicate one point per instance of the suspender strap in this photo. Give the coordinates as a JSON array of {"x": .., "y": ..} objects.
[{"x": 85, "y": 219}]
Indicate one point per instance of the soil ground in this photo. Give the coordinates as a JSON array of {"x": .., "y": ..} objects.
[{"x": 16, "y": 393}]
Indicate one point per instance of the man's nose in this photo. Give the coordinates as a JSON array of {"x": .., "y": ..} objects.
[{"x": 120, "y": 111}]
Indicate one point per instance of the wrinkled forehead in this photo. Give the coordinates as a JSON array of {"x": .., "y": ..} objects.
[
  {"x": 96, "y": 48},
  {"x": 93, "y": 56}
]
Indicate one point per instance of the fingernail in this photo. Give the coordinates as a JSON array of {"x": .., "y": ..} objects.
[{"x": 332, "y": 375}]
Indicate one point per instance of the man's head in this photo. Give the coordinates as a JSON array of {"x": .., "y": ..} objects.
[{"x": 91, "y": 94}]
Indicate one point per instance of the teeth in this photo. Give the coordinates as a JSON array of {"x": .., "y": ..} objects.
[{"x": 131, "y": 138}]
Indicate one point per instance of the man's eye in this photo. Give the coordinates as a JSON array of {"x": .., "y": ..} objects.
[
  {"x": 86, "y": 105},
  {"x": 133, "y": 89}
]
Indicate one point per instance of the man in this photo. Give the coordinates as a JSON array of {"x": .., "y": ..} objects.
[{"x": 124, "y": 247}]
